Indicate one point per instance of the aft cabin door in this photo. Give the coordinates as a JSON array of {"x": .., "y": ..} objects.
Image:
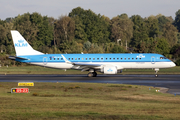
[
  {"x": 45, "y": 60},
  {"x": 153, "y": 60}
]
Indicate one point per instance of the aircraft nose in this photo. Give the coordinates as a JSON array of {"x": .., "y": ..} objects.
[{"x": 172, "y": 64}]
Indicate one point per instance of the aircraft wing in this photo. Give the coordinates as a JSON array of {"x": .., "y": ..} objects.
[
  {"x": 83, "y": 66},
  {"x": 88, "y": 64}
]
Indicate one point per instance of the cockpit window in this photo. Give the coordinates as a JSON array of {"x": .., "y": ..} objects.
[{"x": 163, "y": 58}]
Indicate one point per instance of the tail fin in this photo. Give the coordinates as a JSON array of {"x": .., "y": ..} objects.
[{"x": 22, "y": 47}]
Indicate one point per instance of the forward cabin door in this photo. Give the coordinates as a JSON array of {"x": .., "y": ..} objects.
[
  {"x": 153, "y": 60},
  {"x": 44, "y": 61}
]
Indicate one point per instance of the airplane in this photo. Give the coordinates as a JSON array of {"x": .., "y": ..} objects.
[{"x": 105, "y": 63}]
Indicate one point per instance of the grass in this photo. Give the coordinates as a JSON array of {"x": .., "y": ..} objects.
[
  {"x": 87, "y": 101},
  {"x": 43, "y": 70}
]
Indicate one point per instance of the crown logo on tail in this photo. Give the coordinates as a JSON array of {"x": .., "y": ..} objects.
[
  {"x": 21, "y": 44},
  {"x": 20, "y": 41}
]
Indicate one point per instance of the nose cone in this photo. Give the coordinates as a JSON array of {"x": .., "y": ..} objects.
[{"x": 172, "y": 64}]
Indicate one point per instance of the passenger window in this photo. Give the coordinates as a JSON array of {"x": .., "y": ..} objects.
[
  {"x": 69, "y": 58},
  {"x": 140, "y": 58},
  {"x": 121, "y": 58},
  {"x": 161, "y": 57},
  {"x": 136, "y": 58},
  {"x": 72, "y": 58},
  {"x": 61, "y": 58},
  {"x": 97, "y": 58},
  {"x": 78, "y": 58},
  {"x": 132, "y": 58},
  {"x": 93, "y": 58},
  {"x": 57, "y": 58},
  {"x": 50, "y": 58},
  {"x": 101, "y": 58},
  {"x": 75, "y": 58},
  {"x": 54, "y": 58},
  {"x": 89, "y": 58},
  {"x": 82, "y": 58},
  {"x": 128, "y": 58},
  {"x": 86, "y": 58},
  {"x": 110, "y": 58},
  {"x": 125, "y": 58},
  {"x": 117, "y": 58},
  {"x": 113, "y": 58}
]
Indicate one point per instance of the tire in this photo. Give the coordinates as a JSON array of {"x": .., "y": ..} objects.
[
  {"x": 94, "y": 74},
  {"x": 90, "y": 74}
]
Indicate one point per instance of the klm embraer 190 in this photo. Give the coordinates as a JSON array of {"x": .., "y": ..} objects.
[{"x": 105, "y": 63}]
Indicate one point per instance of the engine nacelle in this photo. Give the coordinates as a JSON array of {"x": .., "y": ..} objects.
[{"x": 110, "y": 70}]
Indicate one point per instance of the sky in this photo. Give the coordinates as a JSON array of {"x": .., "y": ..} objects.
[{"x": 109, "y": 8}]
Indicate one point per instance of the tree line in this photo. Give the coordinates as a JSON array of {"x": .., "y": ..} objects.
[{"x": 84, "y": 31}]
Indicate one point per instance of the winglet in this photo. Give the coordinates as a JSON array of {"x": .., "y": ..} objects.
[{"x": 67, "y": 61}]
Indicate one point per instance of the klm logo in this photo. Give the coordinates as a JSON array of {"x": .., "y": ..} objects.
[
  {"x": 110, "y": 70},
  {"x": 141, "y": 56},
  {"x": 21, "y": 44}
]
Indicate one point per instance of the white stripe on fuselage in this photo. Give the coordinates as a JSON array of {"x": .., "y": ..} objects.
[{"x": 124, "y": 65}]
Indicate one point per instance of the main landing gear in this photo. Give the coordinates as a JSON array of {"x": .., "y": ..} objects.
[
  {"x": 92, "y": 74},
  {"x": 156, "y": 71}
]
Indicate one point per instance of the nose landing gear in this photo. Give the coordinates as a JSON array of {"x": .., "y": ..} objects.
[{"x": 156, "y": 71}]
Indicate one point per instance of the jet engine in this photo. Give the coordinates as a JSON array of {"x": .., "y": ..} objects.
[{"x": 109, "y": 70}]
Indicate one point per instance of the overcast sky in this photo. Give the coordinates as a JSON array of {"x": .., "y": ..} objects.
[{"x": 109, "y": 8}]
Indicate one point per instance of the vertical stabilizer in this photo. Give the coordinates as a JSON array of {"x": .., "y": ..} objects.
[{"x": 22, "y": 47}]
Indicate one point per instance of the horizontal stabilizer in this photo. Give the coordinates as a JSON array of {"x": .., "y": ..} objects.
[{"x": 14, "y": 57}]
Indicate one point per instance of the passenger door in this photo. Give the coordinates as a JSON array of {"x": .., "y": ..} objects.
[
  {"x": 153, "y": 60},
  {"x": 45, "y": 60}
]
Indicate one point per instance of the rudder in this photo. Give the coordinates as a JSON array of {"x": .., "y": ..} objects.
[{"x": 22, "y": 47}]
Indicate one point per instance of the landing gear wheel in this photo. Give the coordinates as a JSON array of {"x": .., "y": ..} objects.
[
  {"x": 94, "y": 74},
  {"x": 90, "y": 74},
  {"x": 156, "y": 71}
]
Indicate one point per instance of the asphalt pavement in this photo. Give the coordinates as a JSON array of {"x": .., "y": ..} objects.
[{"x": 172, "y": 82}]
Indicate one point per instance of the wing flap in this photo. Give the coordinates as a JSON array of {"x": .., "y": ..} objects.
[{"x": 87, "y": 64}]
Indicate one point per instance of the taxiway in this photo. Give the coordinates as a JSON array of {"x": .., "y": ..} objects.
[{"x": 168, "y": 81}]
